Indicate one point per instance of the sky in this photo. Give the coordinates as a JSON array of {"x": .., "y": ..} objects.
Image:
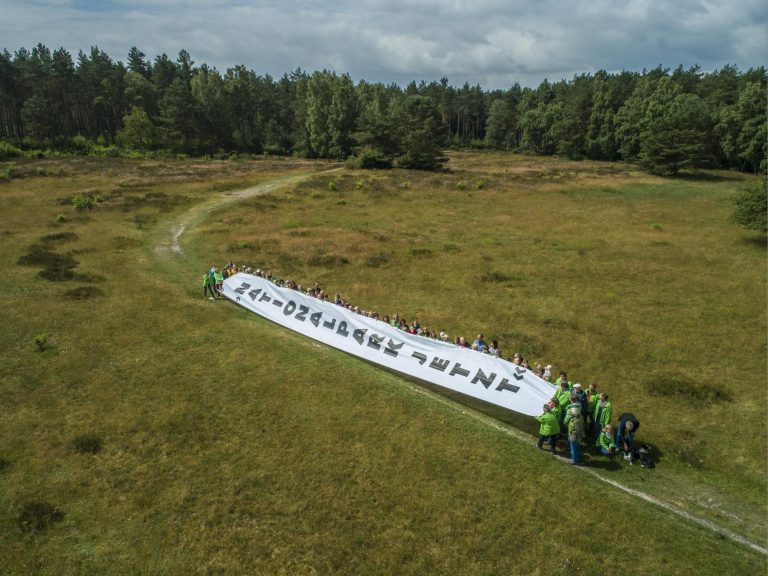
[{"x": 494, "y": 43}]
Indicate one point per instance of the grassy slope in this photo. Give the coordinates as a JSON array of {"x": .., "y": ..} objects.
[{"x": 232, "y": 446}]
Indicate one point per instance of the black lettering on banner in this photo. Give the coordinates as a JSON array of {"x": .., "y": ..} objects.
[
  {"x": 277, "y": 303},
  {"x": 517, "y": 376},
  {"x": 457, "y": 369},
  {"x": 302, "y": 315},
  {"x": 359, "y": 335},
  {"x": 342, "y": 329},
  {"x": 392, "y": 348},
  {"x": 439, "y": 364},
  {"x": 505, "y": 385},
  {"x": 330, "y": 325},
  {"x": 374, "y": 341},
  {"x": 289, "y": 308},
  {"x": 243, "y": 287},
  {"x": 486, "y": 380},
  {"x": 264, "y": 297},
  {"x": 253, "y": 293},
  {"x": 315, "y": 318},
  {"x": 420, "y": 357},
  {"x": 520, "y": 370}
]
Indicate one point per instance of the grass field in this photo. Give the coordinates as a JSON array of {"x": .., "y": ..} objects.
[{"x": 228, "y": 445}]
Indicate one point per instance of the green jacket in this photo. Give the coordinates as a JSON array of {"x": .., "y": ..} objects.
[
  {"x": 605, "y": 415},
  {"x": 606, "y": 441},
  {"x": 549, "y": 424},
  {"x": 206, "y": 280},
  {"x": 592, "y": 402},
  {"x": 219, "y": 277},
  {"x": 568, "y": 416},
  {"x": 576, "y": 429},
  {"x": 563, "y": 396}
]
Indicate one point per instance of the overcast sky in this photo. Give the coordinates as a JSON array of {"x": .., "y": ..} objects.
[{"x": 491, "y": 42}]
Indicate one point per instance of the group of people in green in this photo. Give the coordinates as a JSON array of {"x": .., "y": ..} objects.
[
  {"x": 577, "y": 414},
  {"x": 213, "y": 279}
]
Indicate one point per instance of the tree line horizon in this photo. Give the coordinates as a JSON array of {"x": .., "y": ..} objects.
[{"x": 664, "y": 119}]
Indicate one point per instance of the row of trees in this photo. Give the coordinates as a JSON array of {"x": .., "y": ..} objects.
[{"x": 665, "y": 119}]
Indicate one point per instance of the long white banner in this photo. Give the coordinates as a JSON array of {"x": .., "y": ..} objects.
[{"x": 461, "y": 369}]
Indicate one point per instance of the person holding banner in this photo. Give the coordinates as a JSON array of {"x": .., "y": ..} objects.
[
  {"x": 549, "y": 428},
  {"x": 208, "y": 286}
]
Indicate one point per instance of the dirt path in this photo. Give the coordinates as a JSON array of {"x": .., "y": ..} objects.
[
  {"x": 170, "y": 240},
  {"x": 169, "y": 244}
]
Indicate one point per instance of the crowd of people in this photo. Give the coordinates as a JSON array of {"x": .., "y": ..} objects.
[
  {"x": 573, "y": 414},
  {"x": 577, "y": 415}
]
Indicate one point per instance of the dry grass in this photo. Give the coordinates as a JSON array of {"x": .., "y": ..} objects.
[{"x": 230, "y": 446}]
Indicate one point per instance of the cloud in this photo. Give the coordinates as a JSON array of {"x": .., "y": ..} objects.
[{"x": 491, "y": 42}]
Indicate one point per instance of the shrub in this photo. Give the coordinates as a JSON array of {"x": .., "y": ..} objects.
[
  {"x": 41, "y": 342},
  {"x": 9, "y": 151},
  {"x": 87, "y": 444},
  {"x": 82, "y": 202},
  {"x": 61, "y": 218},
  {"x": 752, "y": 207},
  {"x": 377, "y": 259},
  {"x": 8, "y": 173},
  {"x": 461, "y": 186},
  {"x": 59, "y": 238},
  {"x": 495, "y": 276},
  {"x": 4, "y": 464},
  {"x": 38, "y": 516},
  {"x": 83, "y": 293},
  {"x": 480, "y": 184},
  {"x": 332, "y": 186},
  {"x": 373, "y": 159}
]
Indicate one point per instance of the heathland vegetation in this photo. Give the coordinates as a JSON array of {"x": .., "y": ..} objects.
[
  {"x": 666, "y": 120},
  {"x": 148, "y": 430}
]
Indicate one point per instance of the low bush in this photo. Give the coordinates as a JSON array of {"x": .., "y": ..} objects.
[
  {"x": 38, "y": 516},
  {"x": 373, "y": 159},
  {"x": 83, "y": 293},
  {"x": 9, "y": 151},
  {"x": 82, "y": 202},
  {"x": 41, "y": 342},
  {"x": 87, "y": 444}
]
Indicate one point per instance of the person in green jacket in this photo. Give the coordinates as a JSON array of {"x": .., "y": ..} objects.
[
  {"x": 218, "y": 276},
  {"x": 575, "y": 434},
  {"x": 592, "y": 400},
  {"x": 606, "y": 442},
  {"x": 208, "y": 286},
  {"x": 603, "y": 410},
  {"x": 549, "y": 428},
  {"x": 573, "y": 403}
]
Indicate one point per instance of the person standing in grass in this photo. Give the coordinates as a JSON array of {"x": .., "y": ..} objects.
[
  {"x": 218, "y": 276},
  {"x": 208, "y": 286},
  {"x": 573, "y": 404},
  {"x": 549, "y": 428},
  {"x": 606, "y": 441},
  {"x": 575, "y": 435},
  {"x": 603, "y": 411},
  {"x": 592, "y": 400},
  {"x": 563, "y": 398}
]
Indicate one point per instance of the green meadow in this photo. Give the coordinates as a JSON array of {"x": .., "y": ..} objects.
[{"x": 147, "y": 430}]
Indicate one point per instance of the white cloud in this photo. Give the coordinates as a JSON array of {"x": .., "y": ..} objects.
[{"x": 491, "y": 42}]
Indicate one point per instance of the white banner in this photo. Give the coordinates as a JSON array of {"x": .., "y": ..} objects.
[{"x": 461, "y": 369}]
